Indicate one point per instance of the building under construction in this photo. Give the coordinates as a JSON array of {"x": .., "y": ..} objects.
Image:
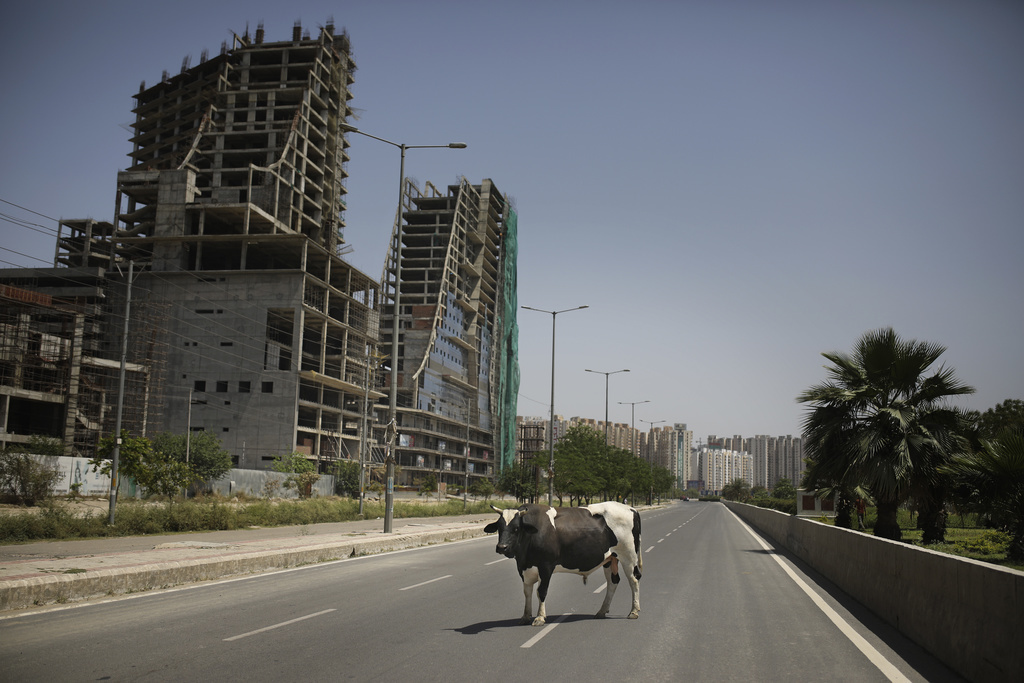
[
  {"x": 231, "y": 219},
  {"x": 232, "y": 215},
  {"x": 60, "y": 364},
  {"x": 458, "y": 372}
]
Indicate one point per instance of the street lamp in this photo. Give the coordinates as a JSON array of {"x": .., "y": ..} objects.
[
  {"x": 606, "y": 375},
  {"x": 650, "y": 456},
  {"x": 392, "y": 429},
  {"x": 551, "y": 422},
  {"x": 632, "y": 424}
]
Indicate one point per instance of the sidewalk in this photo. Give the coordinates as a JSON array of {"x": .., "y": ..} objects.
[{"x": 36, "y": 574}]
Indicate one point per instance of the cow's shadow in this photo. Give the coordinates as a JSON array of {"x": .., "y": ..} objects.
[{"x": 487, "y": 626}]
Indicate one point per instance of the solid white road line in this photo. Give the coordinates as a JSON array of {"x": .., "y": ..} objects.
[
  {"x": 876, "y": 657},
  {"x": 283, "y": 623}
]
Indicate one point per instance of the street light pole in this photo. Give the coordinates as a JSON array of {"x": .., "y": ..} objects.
[
  {"x": 632, "y": 424},
  {"x": 392, "y": 429},
  {"x": 606, "y": 375},
  {"x": 650, "y": 456},
  {"x": 551, "y": 422}
]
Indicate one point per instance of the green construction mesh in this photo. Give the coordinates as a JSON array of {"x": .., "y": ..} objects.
[{"x": 508, "y": 382}]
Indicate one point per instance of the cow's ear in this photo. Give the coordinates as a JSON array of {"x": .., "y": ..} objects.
[{"x": 491, "y": 528}]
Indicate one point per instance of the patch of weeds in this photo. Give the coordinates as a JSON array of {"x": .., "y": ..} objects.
[{"x": 75, "y": 570}]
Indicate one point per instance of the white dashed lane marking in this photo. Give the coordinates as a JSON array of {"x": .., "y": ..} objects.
[
  {"x": 283, "y": 623},
  {"x": 424, "y": 583}
]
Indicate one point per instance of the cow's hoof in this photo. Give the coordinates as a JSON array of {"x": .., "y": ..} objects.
[
  {"x": 600, "y": 615},
  {"x": 635, "y": 614},
  {"x": 528, "y": 619},
  {"x": 539, "y": 621}
]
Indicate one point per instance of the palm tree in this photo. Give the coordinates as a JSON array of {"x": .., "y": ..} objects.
[
  {"x": 880, "y": 422},
  {"x": 737, "y": 489},
  {"x": 997, "y": 470}
]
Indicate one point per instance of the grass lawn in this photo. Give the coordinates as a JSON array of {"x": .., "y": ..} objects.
[{"x": 963, "y": 538}]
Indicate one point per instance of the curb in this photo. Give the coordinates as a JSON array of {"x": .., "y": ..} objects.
[{"x": 65, "y": 588}]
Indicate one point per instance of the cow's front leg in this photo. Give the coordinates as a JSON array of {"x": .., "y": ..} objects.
[
  {"x": 611, "y": 579},
  {"x": 530, "y": 578},
  {"x": 542, "y": 594}
]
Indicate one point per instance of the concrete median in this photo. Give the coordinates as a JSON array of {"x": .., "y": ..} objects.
[{"x": 84, "y": 577}]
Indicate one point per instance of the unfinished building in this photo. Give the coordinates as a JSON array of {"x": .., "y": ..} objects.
[
  {"x": 60, "y": 365},
  {"x": 235, "y": 200},
  {"x": 458, "y": 373},
  {"x": 232, "y": 214}
]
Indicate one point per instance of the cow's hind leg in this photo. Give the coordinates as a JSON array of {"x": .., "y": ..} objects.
[
  {"x": 611, "y": 578},
  {"x": 632, "y": 571}
]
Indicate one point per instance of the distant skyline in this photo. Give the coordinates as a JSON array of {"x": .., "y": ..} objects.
[{"x": 732, "y": 187}]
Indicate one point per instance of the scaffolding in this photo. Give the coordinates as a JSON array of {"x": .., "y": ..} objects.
[{"x": 59, "y": 369}]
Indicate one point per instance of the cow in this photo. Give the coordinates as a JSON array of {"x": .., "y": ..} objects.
[{"x": 544, "y": 540}]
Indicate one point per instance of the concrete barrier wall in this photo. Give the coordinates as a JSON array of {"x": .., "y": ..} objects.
[
  {"x": 78, "y": 471},
  {"x": 251, "y": 482},
  {"x": 968, "y": 614}
]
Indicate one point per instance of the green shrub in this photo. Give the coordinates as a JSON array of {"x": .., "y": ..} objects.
[
  {"x": 26, "y": 480},
  {"x": 989, "y": 543}
]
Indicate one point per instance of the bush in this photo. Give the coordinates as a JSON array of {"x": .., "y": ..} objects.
[
  {"x": 137, "y": 518},
  {"x": 26, "y": 480},
  {"x": 787, "y": 505}
]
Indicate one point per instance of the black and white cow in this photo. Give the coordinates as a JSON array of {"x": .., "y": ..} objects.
[{"x": 544, "y": 540}]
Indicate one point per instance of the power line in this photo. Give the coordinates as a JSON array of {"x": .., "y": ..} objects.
[{"x": 41, "y": 215}]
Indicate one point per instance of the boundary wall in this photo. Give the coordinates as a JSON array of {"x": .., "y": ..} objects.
[
  {"x": 968, "y": 614},
  {"x": 76, "y": 470}
]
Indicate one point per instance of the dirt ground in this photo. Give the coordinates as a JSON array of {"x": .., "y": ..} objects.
[{"x": 77, "y": 506}]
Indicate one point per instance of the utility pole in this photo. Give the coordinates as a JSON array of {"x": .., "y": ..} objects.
[
  {"x": 465, "y": 488},
  {"x": 115, "y": 456}
]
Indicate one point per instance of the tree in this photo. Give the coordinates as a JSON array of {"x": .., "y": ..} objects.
[
  {"x": 626, "y": 477},
  {"x": 664, "y": 481},
  {"x": 346, "y": 478},
  {"x": 428, "y": 484},
  {"x": 517, "y": 481},
  {"x": 881, "y": 422},
  {"x": 301, "y": 473},
  {"x": 1006, "y": 415},
  {"x": 997, "y": 470},
  {"x": 737, "y": 489},
  {"x": 482, "y": 488},
  {"x": 130, "y": 460},
  {"x": 155, "y": 471},
  {"x": 202, "y": 451},
  {"x": 784, "y": 489},
  {"x": 579, "y": 461}
]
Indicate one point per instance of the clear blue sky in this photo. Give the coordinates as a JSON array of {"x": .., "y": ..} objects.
[{"x": 733, "y": 187}]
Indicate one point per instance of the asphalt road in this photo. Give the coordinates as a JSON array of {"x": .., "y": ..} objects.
[{"x": 717, "y": 603}]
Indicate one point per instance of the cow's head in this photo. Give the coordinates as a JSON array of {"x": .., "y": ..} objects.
[{"x": 510, "y": 528}]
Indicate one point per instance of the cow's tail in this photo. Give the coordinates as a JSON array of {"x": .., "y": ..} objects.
[{"x": 638, "y": 569}]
